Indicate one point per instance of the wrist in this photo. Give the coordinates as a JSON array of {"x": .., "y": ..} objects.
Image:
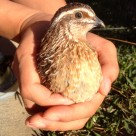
[
  {"x": 12, "y": 16},
  {"x": 36, "y": 24},
  {"x": 49, "y": 7},
  {"x": 32, "y": 31},
  {"x": 29, "y": 38},
  {"x": 36, "y": 18}
]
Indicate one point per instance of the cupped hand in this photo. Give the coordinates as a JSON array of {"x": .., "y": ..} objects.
[
  {"x": 53, "y": 111},
  {"x": 32, "y": 92},
  {"x": 75, "y": 116}
]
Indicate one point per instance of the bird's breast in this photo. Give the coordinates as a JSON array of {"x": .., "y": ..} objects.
[{"x": 74, "y": 72}]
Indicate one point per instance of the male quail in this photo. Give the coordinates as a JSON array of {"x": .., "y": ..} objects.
[{"x": 66, "y": 62}]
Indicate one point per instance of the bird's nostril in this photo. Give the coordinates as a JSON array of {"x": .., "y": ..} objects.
[{"x": 98, "y": 22}]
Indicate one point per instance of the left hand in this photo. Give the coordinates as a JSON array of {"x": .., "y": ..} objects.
[
  {"x": 57, "y": 112},
  {"x": 32, "y": 92}
]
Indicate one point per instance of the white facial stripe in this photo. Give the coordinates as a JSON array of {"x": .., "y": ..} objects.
[
  {"x": 91, "y": 14},
  {"x": 88, "y": 21}
]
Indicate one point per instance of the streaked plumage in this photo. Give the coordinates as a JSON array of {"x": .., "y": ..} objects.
[{"x": 66, "y": 63}]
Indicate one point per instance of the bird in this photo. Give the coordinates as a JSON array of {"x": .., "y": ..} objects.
[{"x": 66, "y": 62}]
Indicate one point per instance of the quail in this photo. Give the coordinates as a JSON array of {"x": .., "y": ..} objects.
[{"x": 66, "y": 62}]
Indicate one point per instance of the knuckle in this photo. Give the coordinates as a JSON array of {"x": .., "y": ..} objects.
[
  {"x": 116, "y": 68},
  {"x": 81, "y": 126},
  {"x": 110, "y": 46},
  {"x": 27, "y": 106},
  {"x": 115, "y": 72},
  {"x": 25, "y": 91},
  {"x": 113, "y": 65}
]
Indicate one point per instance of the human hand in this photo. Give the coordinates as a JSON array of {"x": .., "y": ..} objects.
[
  {"x": 50, "y": 116},
  {"x": 32, "y": 92},
  {"x": 107, "y": 56},
  {"x": 57, "y": 113}
]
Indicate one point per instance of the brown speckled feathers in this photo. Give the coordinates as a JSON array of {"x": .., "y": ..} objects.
[{"x": 66, "y": 63}]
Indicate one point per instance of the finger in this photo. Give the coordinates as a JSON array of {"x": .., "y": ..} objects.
[
  {"x": 34, "y": 109},
  {"x": 27, "y": 103},
  {"x": 37, "y": 121},
  {"x": 107, "y": 55},
  {"x": 30, "y": 86},
  {"x": 110, "y": 68},
  {"x": 75, "y": 111},
  {"x": 108, "y": 60},
  {"x": 42, "y": 96}
]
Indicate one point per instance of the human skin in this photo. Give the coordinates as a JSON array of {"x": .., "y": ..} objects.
[{"x": 51, "y": 111}]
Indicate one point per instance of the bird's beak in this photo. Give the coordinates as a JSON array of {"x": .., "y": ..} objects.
[{"x": 98, "y": 22}]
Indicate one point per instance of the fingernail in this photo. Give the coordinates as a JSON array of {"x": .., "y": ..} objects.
[
  {"x": 37, "y": 124},
  {"x": 106, "y": 86}
]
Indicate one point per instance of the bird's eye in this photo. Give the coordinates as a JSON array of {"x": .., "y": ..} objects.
[{"x": 78, "y": 15}]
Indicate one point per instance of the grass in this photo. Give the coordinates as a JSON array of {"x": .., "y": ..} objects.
[{"x": 117, "y": 114}]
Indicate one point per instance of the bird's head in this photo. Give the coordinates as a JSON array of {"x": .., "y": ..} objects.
[{"x": 77, "y": 19}]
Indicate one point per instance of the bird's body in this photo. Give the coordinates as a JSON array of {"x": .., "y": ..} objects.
[{"x": 67, "y": 64}]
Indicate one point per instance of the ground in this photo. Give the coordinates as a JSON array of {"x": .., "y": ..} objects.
[{"x": 12, "y": 118}]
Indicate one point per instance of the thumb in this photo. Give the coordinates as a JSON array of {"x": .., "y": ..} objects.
[
  {"x": 110, "y": 71},
  {"x": 105, "y": 86}
]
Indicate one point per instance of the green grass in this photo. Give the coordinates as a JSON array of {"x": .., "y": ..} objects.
[{"x": 117, "y": 114}]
